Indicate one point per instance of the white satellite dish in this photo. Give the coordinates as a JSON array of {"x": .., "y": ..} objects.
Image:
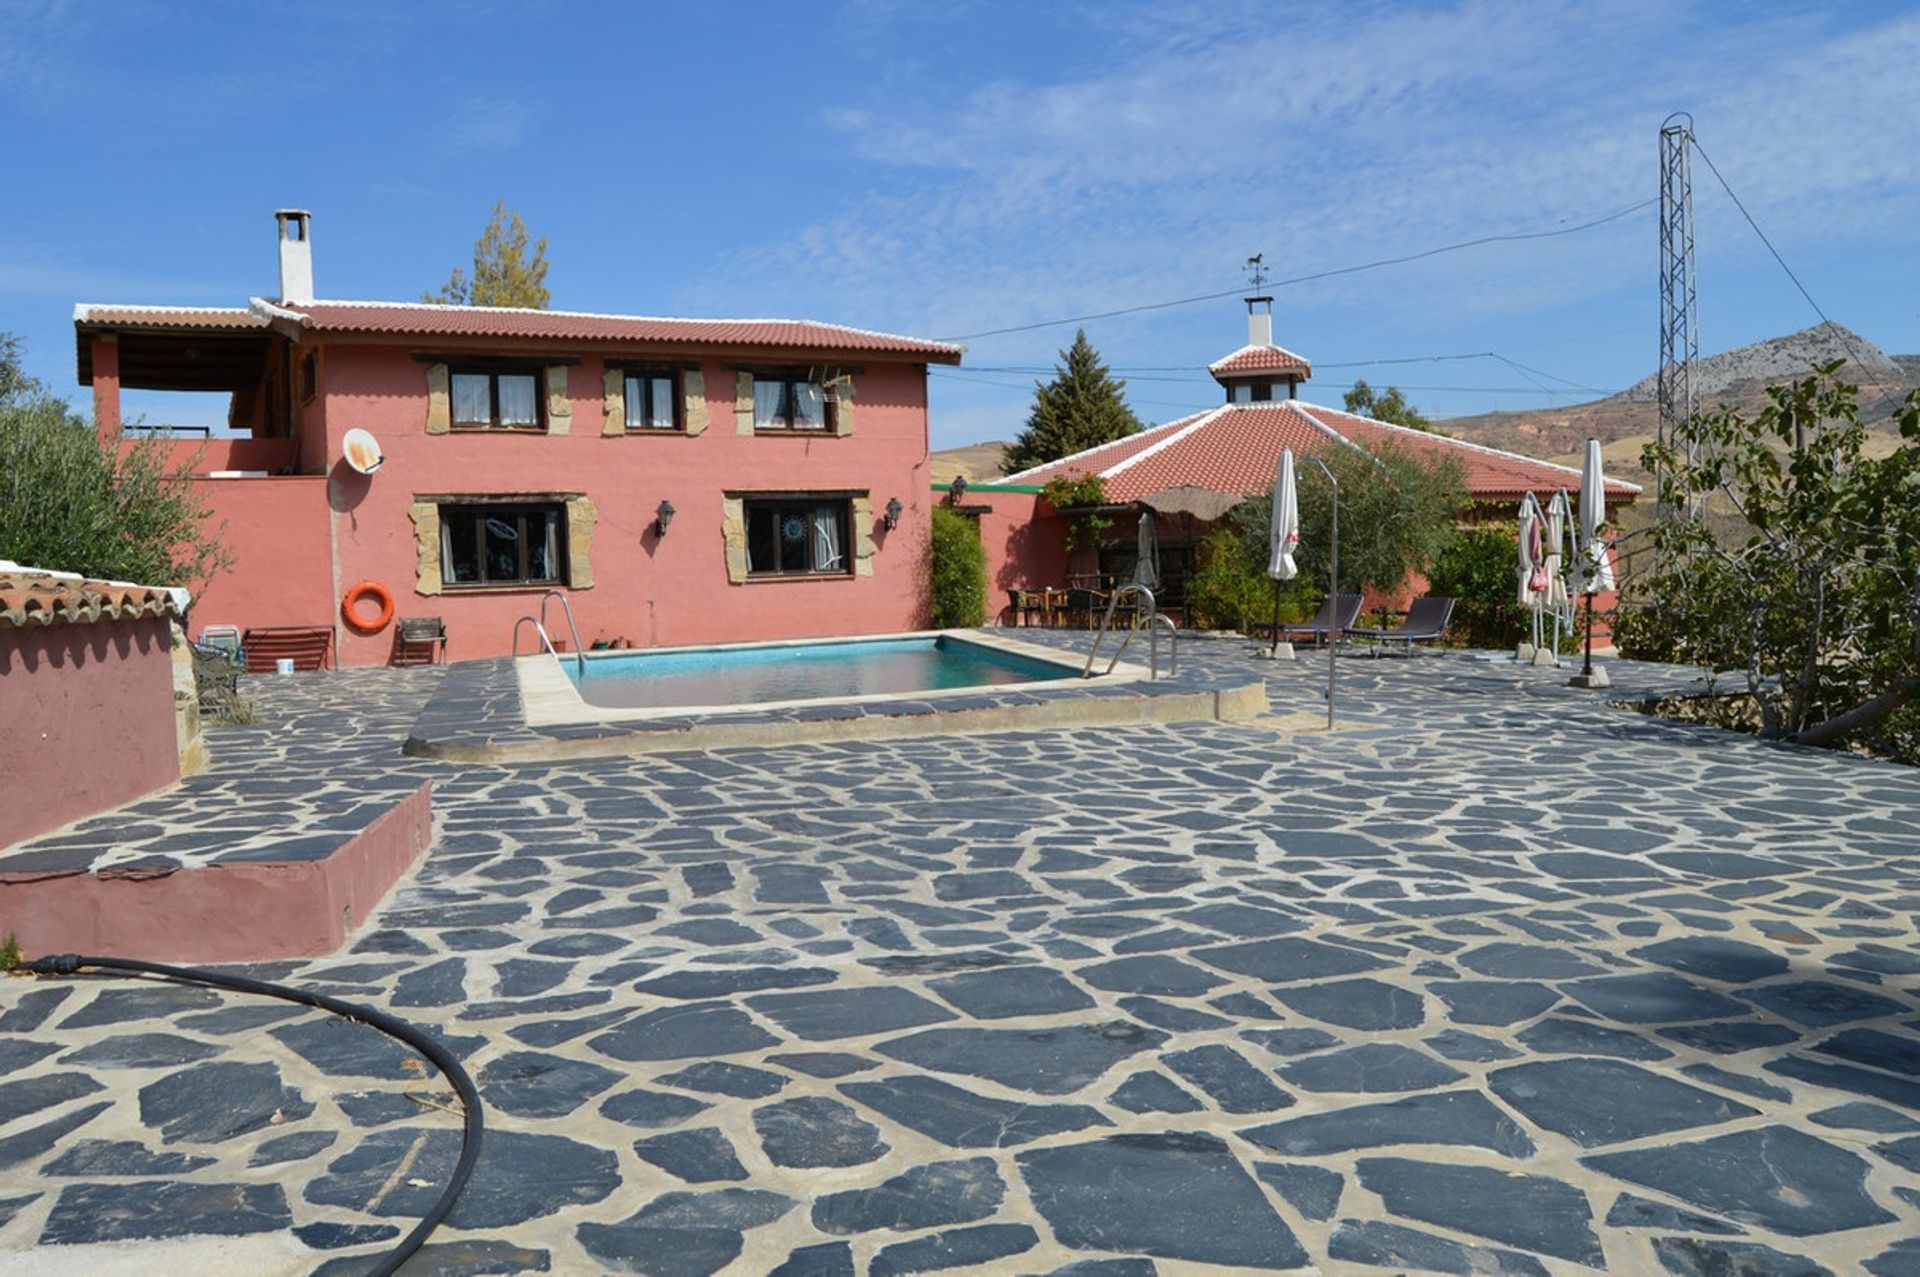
[{"x": 362, "y": 451}]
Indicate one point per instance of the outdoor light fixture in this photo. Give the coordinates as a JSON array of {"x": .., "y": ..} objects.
[
  {"x": 662, "y": 516},
  {"x": 893, "y": 513}
]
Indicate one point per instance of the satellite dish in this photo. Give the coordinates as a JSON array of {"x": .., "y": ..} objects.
[{"x": 362, "y": 451}]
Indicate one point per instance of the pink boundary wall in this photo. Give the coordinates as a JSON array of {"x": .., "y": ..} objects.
[
  {"x": 86, "y": 721},
  {"x": 234, "y": 912}
]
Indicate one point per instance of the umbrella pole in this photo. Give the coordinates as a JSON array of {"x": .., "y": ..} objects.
[
  {"x": 1587, "y": 671},
  {"x": 1274, "y": 652}
]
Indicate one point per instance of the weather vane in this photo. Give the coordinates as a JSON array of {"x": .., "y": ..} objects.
[{"x": 1256, "y": 268}]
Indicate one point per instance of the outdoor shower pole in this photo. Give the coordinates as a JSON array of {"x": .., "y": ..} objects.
[{"x": 1333, "y": 590}]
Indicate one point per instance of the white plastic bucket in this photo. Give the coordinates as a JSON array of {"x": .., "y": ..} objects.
[{"x": 284, "y": 665}]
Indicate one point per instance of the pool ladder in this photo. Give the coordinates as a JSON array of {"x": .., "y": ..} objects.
[
  {"x": 1155, "y": 618},
  {"x": 539, "y": 625}
]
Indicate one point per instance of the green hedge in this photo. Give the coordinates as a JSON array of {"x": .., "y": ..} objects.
[
  {"x": 957, "y": 582},
  {"x": 1477, "y": 570}
]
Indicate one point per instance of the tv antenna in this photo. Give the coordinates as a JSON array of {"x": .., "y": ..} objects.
[{"x": 1256, "y": 269}]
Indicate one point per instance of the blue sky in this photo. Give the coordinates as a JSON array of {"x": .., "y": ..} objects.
[{"x": 943, "y": 169}]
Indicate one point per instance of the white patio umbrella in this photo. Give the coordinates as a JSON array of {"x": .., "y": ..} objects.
[
  {"x": 1527, "y": 575},
  {"x": 1558, "y": 601},
  {"x": 1596, "y": 571},
  {"x": 1146, "y": 566},
  {"x": 1283, "y": 538}
]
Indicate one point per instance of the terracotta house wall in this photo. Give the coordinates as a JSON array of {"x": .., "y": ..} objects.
[
  {"x": 1022, "y": 537},
  {"x": 649, "y": 589},
  {"x": 276, "y": 530},
  {"x": 88, "y": 720}
]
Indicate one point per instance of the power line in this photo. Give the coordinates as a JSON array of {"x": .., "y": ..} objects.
[
  {"x": 966, "y": 375},
  {"x": 1317, "y": 275}
]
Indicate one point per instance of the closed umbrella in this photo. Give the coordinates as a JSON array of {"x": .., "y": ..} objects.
[
  {"x": 1527, "y": 591},
  {"x": 1558, "y": 602},
  {"x": 1146, "y": 565},
  {"x": 1595, "y": 573},
  {"x": 1283, "y": 539}
]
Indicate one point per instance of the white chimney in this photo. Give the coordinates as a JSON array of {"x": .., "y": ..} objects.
[
  {"x": 1259, "y": 321},
  {"x": 296, "y": 254}
]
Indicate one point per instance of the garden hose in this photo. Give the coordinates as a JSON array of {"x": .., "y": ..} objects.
[{"x": 400, "y": 1030}]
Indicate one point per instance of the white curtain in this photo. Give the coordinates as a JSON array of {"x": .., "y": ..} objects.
[
  {"x": 518, "y": 400},
  {"x": 472, "y": 397},
  {"x": 809, "y": 407},
  {"x": 826, "y": 540},
  {"x": 768, "y": 404}
]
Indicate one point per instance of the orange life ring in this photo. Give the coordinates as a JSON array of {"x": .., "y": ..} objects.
[{"x": 373, "y": 590}]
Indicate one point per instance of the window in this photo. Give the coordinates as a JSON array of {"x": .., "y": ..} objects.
[
  {"x": 482, "y": 545},
  {"x": 783, "y": 402},
  {"x": 653, "y": 401},
  {"x": 505, "y": 398},
  {"x": 796, "y": 537}
]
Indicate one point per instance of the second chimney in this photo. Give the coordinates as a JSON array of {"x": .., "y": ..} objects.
[
  {"x": 296, "y": 254},
  {"x": 1259, "y": 321}
]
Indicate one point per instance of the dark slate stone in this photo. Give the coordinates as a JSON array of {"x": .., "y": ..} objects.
[
  {"x": 1603, "y": 1101},
  {"x": 735, "y": 1208},
  {"x": 661, "y": 1252},
  {"x": 140, "y": 1051},
  {"x": 208, "y": 1103},
  {"x": 230, "y": 1020},
  {"x": 1243, "y": 1006},
  {"x": 1873, "y": 1047},
  {"x": 32, "y": 1095},
  {"x": 1046, "y": 1061},
  {"x": 1288, "y": 958},
  {"x": 717, "y": 1077},
  {"x": 1150, "y": 1092},
  {"x": 1494, "y": 1001},
  {"x": 379, "y": 1108},
  {"x": 154, "y": 1209},
  {"x": 813, "y": 1131},
  {"x": 713, "y": 932},
  {"x": 1510, "y": 961},
  {"x": 649, "y": 1109},
  {"x": 1902, "y": 1153},
  {"x": 1177, "y": 1196},
  {"x": 544, "y": 1033},
  {"x": 846, "y": 1013},
  {"x": 1174, "y": 1019},
  {"x": 1010, "y": 991},
  {"x": 1844, "y": 1077},
  {"x": 720, "y": 984},
  {"x": 530, "y": 1084},
  {"x": 926, "y": 1196},
  {"x": 1630, "y": 1211},
  {"x": 120, "y": 1157},
  {"x": 699, "y": 1156},
  {"x": 291, "y": 1148},
  {"x": 1357, "y": 1004},
  {"x": 1738, "y": 1082},
  {"x": 1561, "y": 1035},
  {"x": 1375, "y": 1067},
  {"x": 34, "y": 1141},
  {"x": 1698, "y": 1257},
  {"x": 1290, "y": 1042},
  {"x": 1730, "y": 1037},
  {"x": 31, "y": 1009},
  {"x": 1383, "y": 1245},
  {"x": 1223, "y": 1073},
  {"x": 584, "y": 945},
  {"x": 148, "y": 1001},
  {"x": 1107, "y": 1268},
  {"x": 1449, "y": 1117},
  {"x": 1532, "y": 1212},
  {"x": 1457, "y": 1044},
  {"x": 17, "y": 1054},
  {"x": 328, "y": 1235},
  {"x": 1241, "y": 920},
  {"x": 440, "y": 984},
  {"x": 1151, "y": 973},
  {"x": 1860, "y": 1116},
  {"x": 695, "y": 1029},
  {"x": 1654, "y": 998},
  {"x": 1902, "y": 1259},
  {"x": 829, "y": 1259},
  {"x": 1716, "y": 958},
  {"x": 961, "y": 1119},
  {"x": 341, "y": 1048},
  {"x": 477, "y": 1258},
  {"x": 519, "y": 1176},
  {"x": 1819, "y": 1003},
  {"x": 956, "y": 1248},
  {"x": 526, "y": 977},
  {"x": 827, "y": 1064},
  {"x": 1314, "y": 1191},
  {"x": 1776, "y": 1177}
]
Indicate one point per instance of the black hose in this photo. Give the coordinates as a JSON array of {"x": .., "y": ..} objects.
[{"x": 70, "y": 964}]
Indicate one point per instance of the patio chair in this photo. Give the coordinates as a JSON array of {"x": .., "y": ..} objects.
[
  {"x": 1336, "y": 616},
  {"x": 1426, "y": 622},
  {"x": 417, "y": 640}
]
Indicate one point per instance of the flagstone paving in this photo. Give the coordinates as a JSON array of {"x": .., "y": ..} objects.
[{"x": 1498, "y": 979}]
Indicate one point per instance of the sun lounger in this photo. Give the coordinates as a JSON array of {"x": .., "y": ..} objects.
[
  {"x": 1426, "y": 622},
  {"x": 1325, "y": 622}
]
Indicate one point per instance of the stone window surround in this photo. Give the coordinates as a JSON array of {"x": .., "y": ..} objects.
[
  {"x": 582, "y": 518},
  {"x": 838, "y": 382},
  {"x": 551, "y": 391},
  {"x": 733, "y": 533},
  {"x": 691, "y": 386}
]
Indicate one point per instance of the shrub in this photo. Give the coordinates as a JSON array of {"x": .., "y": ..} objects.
[
  {"x": 1477, "y": 570},
  {"x": 1226, "y": 592},
  {"x": 957, "y": 579}
]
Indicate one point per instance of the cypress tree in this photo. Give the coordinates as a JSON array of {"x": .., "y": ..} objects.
[{"x": 1082, "y": 407}]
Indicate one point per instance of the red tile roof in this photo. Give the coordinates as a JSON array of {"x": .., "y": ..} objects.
[
  {"x": 1234, "y": 449},
  {"x": 1252, "y": 360},
  {"x": 219, "y": 318},
  {"x": 29, "y": 596}
]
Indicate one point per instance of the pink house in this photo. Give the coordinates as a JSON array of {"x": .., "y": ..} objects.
[{"x": 681, "y": 480}]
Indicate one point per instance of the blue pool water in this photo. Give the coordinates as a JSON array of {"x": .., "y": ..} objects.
[{"x": 767, "y": 675}]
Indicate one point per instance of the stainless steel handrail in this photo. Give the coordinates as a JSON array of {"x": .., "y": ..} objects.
[
  {"x": 539, "y": 629},
  {"x": 1152, "y": 610},
  {"x": 1153, "y": 644},
  {"x": 579, "y": 652}
]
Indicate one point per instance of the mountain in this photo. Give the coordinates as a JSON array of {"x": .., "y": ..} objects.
[{"x": 980, "y": 462}]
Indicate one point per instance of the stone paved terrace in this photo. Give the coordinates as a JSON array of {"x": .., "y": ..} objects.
[{"x": 1500, "y": 980}]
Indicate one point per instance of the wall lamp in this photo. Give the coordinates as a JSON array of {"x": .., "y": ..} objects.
[
  {"x": 894, "y": 509},
  {"x": 662, "y": 516}
]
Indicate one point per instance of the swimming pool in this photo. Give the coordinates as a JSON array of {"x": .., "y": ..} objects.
[{"x": 770, "y": 674}]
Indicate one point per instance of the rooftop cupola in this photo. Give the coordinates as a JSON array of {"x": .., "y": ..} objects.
[
  {"x": 295, "y": 226},
  {"x": 1260, "y": 371}
]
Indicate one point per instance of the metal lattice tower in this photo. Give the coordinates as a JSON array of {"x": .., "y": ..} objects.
[{"x": 1679, "y": 314}]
